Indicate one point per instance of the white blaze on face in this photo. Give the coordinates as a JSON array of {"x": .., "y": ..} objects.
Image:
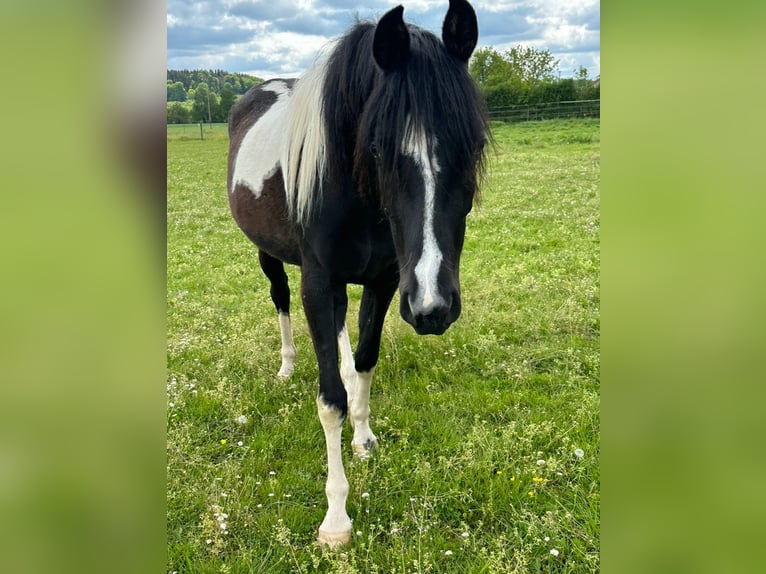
[
  {"x": 427, "y": 268},
  {"x": 259, "y": 153}
]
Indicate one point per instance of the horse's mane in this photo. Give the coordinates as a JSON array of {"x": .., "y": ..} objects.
[
  {"x": 338, "y": 107},
  {"x": 304, "y": 156}
]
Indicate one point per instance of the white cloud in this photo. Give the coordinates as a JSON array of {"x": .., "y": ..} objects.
[{"x": 280, "y": 38}]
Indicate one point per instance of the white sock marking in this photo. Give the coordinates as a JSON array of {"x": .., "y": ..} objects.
[
  {"x": 336, "y": 525},
  {"x": 258, "y": 156},
  {"x": 427, "y": 268},
  {"x": 288, "y": 347},
  {"x": 363, "y": 439},
  {"x": 347, "y": 369}
]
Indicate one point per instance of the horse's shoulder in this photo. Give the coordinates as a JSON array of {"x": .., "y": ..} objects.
[{"x": 258, "y": 99}]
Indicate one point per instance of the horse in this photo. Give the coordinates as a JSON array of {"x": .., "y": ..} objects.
[{"x": 362, "y": 171}]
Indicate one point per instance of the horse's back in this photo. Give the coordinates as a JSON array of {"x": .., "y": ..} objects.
[{"x": 255, "y": 182}]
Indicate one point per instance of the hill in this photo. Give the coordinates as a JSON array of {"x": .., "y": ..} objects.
[{"x": 179, "y": 82}]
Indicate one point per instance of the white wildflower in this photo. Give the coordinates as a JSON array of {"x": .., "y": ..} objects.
[
  {"x": 365, "y": 495},
  {"x": 579, "y": 453},
  {"x": 541, "y": 462},
  {"x": 554, "y": 552},
  {"x": 242, "y": 419},
  {"x": 448, "y": 552}
]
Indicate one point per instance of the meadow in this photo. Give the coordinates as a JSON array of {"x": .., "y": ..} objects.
[{"x": 489, "y": 434}]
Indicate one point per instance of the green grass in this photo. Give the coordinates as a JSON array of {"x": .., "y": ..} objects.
[{"x": 462, "y": 419}]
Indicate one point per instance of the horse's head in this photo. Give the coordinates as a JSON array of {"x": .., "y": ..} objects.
[{"x": 422, "y": 136}]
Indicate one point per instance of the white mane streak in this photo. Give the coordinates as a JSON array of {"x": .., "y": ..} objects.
[{"x": 304, "y": 154}]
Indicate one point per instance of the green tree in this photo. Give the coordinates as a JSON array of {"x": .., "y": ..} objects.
[
  {"x": 202, "y": 108},
  {"x": 227, "y": 100},
  {"x": 582, "y": 83},
  {"x": 178, "y": 113},
  {"x": 488, "y": 67},
  {"x": 533, "y": 66},
  {"x": 176, "y": 92},
  {"x": 512, "y": 77}
]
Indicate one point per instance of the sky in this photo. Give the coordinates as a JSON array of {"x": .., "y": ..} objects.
[{"x": 281, "y": 38}]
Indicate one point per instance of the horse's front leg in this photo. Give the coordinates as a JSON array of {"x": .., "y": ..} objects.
[
  {"x": 319, "y": 303},
  {"x": 376, "y": 299}
]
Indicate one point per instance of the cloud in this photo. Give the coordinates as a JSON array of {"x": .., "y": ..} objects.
[{"x": 283, "y": 37}]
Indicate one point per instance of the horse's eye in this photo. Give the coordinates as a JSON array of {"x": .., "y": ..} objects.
[{"x": 374, "y": 150}]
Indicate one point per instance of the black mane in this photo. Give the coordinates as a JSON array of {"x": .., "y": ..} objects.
[{"x": 363, "y": 105}]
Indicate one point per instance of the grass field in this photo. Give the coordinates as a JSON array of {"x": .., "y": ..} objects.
[{"x": 489, "y": 434}]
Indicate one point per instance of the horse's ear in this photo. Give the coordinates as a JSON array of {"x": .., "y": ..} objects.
[
  {"x": 460, "y": 31},
  {"x": 391, "y": 45}
]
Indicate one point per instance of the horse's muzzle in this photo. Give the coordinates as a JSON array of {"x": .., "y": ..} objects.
[{"x": 431, "y": 320}]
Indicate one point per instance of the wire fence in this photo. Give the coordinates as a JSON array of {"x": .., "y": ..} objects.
[{"x": 549, "y": 111}]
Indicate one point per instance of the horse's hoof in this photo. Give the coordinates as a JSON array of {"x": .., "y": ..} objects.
[
  {"x": 285, "y": 373},
  {"x": 333, "y": 540},
  {"x": 363, "y": 450}
]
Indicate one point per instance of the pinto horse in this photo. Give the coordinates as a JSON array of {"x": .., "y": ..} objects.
[{"x": 362, "y": 171}]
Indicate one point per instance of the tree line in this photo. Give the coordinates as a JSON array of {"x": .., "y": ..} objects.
[
  {"x": 525, "y": 75},
  {"x": 204, "y": 95},
  {"x": 521, "y": 75}
]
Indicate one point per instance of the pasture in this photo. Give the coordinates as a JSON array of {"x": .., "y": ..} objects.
[{"x": 489, "y": 434}]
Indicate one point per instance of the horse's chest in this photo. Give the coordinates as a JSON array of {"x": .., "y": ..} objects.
[{"x": 354, "y": 252}]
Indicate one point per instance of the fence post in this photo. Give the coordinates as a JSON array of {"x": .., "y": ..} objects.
[{"x": 201, "y": 135}]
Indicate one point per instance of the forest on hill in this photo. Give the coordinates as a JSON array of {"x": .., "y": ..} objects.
[
  {"x": 204, "y": 95},
  {"x": 516, "y": 77}
]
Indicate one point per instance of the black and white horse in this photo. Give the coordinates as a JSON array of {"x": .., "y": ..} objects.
[{"x": 362, "y": 171}]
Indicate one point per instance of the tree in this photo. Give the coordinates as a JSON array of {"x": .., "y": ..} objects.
[
  {"x": 532, "y": 65},
  {"x": 202, "y": 108},
  {"x": 227, "y": 100},
  {"x": 176, "y": 92},
  {"x": 488, "y": 67},
  {"x": 512, "y": 77},
  {"x": 178, "y": 113},
  {"x": 586, "y": 88}
]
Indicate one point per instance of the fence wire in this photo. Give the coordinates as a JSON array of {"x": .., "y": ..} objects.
[{"x": 548, "y": 111}]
